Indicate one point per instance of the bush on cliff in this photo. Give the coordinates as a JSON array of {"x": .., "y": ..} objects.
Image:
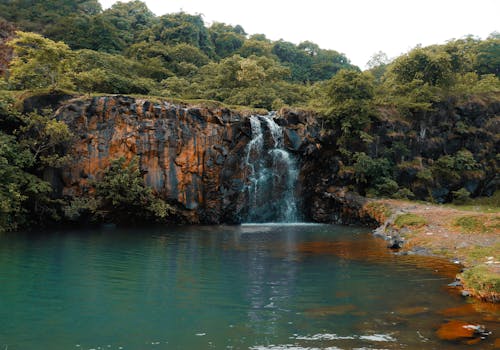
[{"x": 120, "y": 197}]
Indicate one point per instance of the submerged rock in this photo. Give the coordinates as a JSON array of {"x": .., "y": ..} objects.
[{"x": 457, "y": 330}]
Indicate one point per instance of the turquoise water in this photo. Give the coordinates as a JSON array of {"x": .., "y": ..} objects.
[{"x": 221, "y": 287}]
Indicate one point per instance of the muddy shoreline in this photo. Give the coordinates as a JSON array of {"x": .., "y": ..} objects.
[{"x": 469, "y": 239}]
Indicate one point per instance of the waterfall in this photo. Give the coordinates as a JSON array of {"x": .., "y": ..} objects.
[{"x": 271, "y": 174}]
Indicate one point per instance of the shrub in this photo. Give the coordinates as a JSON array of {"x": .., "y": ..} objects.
[
  {"x": 386, "y": 187},
  {"x": 404, "y": 193},
  {"x": 120, "y": 197},
  {"x": 461, "y": 196}
]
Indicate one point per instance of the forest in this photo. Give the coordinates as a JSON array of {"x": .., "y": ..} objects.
[{"x": 371, "y": 119}]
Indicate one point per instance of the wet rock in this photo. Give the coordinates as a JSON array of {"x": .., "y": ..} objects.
[
  {"x": 395, "y": 243},
  {"x": 457, "y": 330},
  {"x": 457, "y": 283},
  {"x": 466, "y": 293}
]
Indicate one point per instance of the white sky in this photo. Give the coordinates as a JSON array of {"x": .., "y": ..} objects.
[{"x": 357, "y": 28}]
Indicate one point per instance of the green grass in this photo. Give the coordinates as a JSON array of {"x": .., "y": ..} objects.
[
  {"x": 484, "y": 281},
  {"x": 481, "y": 253},
  {"x": 409, "y": 220},
  {"x": 470, "y": 224}
]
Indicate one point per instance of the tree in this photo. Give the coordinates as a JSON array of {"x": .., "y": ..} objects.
[
  {"x": 122, "y": 197},
  {"x": 254, "y": 47},
  {"x": 226, "y": 38},
  {"x": 107, "y": 73},
  {"x": 39, "y": 62},
  {"x": 488, "y": 56},
  {"x": 296, "y": 59},
  {"x": 326, "y": 63},
  {"x": 129, "y": 19},
  {"x": 349, "y": 98},
  {"x": 249, "y": 81},
  {"x": 176, "y": 28},
  {"x": 45, "y": 138},
  {"x": 13, "y": 160},
  {"x": 377, "y": 64},
  {"x": 36, "y": 15},
  {"x": 432, "y": 68},
  {"x": 28, "y": 145}
]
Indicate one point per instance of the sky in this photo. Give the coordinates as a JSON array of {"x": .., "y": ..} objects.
[{"x": 357, "y": 28}]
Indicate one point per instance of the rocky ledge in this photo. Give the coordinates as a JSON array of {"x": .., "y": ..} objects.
[{"x": 191, "y": 156}]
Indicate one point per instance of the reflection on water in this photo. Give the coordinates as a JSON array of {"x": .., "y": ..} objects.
[{"x": 225, "y": 287}]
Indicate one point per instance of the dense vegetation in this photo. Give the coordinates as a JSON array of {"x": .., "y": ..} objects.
[{"x": 378, "y": 123}]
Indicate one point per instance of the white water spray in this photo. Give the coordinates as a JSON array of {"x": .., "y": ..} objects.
[{"x": 272, "y": 174}]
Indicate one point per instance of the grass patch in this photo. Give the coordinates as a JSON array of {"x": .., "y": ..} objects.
[
  {"x": 378, "y": 211},
  {"x": 409, "y": 220},
  {"x": 470, "y": 224},
  {"x": 484, "y": 282},
  {"x": 481, "y": 253}
]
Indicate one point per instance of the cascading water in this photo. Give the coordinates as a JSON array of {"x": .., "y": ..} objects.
[{"x": 272, "y": 174}]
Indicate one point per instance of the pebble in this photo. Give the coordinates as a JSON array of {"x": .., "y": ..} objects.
[
  {"x": 455, "y": 284},
  {"x": 466, "y": 293}
]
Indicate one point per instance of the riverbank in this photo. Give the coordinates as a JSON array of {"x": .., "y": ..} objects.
[{"x": 467, "y": 237}]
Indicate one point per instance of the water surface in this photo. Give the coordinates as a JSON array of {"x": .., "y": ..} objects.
[{"x": 223, "y": 287}]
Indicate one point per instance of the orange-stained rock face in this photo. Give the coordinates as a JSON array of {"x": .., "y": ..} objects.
[{"x": 191, "y": 156}]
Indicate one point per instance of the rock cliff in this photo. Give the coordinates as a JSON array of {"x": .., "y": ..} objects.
[
  {"x": 196, "y": 157},
  {"x": 191, "y": 156}
]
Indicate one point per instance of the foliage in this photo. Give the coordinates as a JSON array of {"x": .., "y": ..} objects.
[
  {"x": 122, "y": 196},
  {"x": 431, "y": 68},
  {"x": 377, "y": 65},
  {"x": 39, "y": 62},
  {"x": 14, "y": 183},
  {"x": 461, "y": 196},
  {"x": 45, "y": 137},
  {"x": 451, "y": 168},
  {"x": 253, "y": 81},
  {"x": 181, "y": 27},
  {"x": 35, "y": 15},
  {"x": 349, "y": 97},
  {"x": 403, "y": 193},
  {"x": 28, "y": 145},
  {"x": 226, "y": 38},
  {"x": 368, "y": 169},
  {"x": 102, "y": 72}
]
